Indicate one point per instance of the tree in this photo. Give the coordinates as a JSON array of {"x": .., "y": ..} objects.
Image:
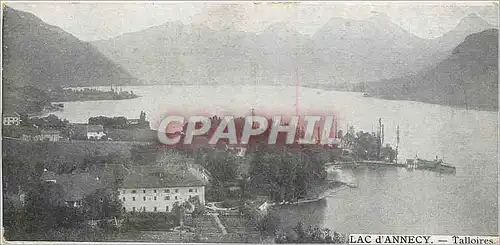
[
  {"x": 179, "y": 210},
  {"x": 45, "y": 206},
  {"x": 286, "y": 175},
  {"x": 101, "y": 204},
  {"x": 199, "y": 209},
  {"x": 310, "y": 235}
]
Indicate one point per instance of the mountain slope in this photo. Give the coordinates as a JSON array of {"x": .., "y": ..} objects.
[
  {"x": 44, "y": 56},
  {"x": 471, "y": 23},
  {"x": 467, "y": 78}
]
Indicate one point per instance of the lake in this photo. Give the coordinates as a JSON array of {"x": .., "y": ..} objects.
[{"x": 388, "y": 200}]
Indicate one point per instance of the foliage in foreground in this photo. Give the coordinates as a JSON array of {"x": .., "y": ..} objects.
[{"x": 310, "y": 235}]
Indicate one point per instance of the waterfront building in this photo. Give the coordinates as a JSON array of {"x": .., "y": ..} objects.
[
  {"x": 158, "y": 188},
  {"x": 11, "y": 118},
  {"x": 139, "y": 122}
]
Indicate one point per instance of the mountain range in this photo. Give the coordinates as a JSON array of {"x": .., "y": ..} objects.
[
  {"x": 342, "y": 50},
  {"x": 467, "y": 78},
  {"x": 394, "y": 63},
  {"x": 45, "y": 56}
]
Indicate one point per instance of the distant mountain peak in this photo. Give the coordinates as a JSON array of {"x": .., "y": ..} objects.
[
  {"x": 473, "y": 20},
  {"x": 33, "y": 44}
]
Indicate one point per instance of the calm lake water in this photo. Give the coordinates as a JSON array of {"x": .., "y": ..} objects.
[{"x": 390, "y": 200}]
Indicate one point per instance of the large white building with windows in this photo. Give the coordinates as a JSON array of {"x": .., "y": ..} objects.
[{"x": 153, "y": 189}]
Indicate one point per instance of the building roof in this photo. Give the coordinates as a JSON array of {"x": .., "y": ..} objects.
[
  {"x": 157, "y": 176},
  {"x": 95, "y": 128},
  {"x": 75, "y": 185}
]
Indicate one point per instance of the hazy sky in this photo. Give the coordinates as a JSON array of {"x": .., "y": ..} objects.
[{"x": 93, "y": 21}]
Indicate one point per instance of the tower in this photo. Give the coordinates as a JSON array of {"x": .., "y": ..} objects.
[{"x": 142, "y": 117}]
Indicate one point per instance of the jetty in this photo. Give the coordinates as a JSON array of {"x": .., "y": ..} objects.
[{"x": 436, "y": 165}]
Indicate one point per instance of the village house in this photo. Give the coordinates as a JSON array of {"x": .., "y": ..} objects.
[
  {"x": 133, "y": 121},
  {"x": 50, "y": 135},
  {"x": 157, "y": 188},
  {"x": 95, "y": 132},
  {"x": 11, "y": 118},
  {"x": 139, "y": 122},
  {"x": 75, "y": 186}
]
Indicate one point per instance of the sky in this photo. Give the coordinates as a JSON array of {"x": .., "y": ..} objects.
[{"x": 90, "y": 21}]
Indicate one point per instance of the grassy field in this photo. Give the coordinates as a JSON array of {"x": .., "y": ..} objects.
[{"x": 55, "y": 156}]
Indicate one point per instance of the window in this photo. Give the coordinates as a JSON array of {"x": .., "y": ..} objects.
[
  {"x": 195, "y": 190},
  {"x": 175, "y": 197},
  {"x": 134, "y": 191},
  {"x": 167, "y": 191},
  {"x": 155, "y": 198},
  {"x": 190, "y": 190},
  {"x": 124, "y": 209},
  {"x": 143, "y": 191},
  {"x": 133, "y": 198},
  {"x": 154, "y": 191},
  {"x": 176, "y": 190},
  {"x": 166, "y": 208},
  {"x": 144, "y": 209},
  {"x": 124, "y": 191},
  {"x": 155, "y": 209},
  {"x": 124, "y": 199},
  {"x": 167, "y": 197},
  {"x": 144, "y": 198},
  {"x": 133, "y": 209},
  {"x": 189, "y": 196}
]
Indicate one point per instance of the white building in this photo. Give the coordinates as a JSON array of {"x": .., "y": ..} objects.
[
  {"x": 157, "y": 190},
  {"x": 95, "y": 132},
  {"x": 50, "y": 135},
  {"x": 11, "y": 118}
]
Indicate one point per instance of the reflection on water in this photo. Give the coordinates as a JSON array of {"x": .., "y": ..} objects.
[{"x": 393, "y": 200}]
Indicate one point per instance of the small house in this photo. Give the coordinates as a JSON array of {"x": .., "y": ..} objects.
[
  {"x": 133, "y": 121},
  {"x": 50, "y": 135},
  {"x": 95, "y": 132},
  {"x": 11, "y": 118}
]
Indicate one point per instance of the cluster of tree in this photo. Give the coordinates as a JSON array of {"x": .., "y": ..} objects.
[
  {"x": 109, "y": 122},
  {"x": 23, "y": 99},
  {"x": 221, "y": 164},
  {"x": 285, "y": 175},
  {"x": 33, "y": 126},
  {"x": 15, "y": 131},
  {"x": 19, "y": 174},
  {"x": 45, "y": 211},
  {"x": 118, "y": 122},
  {"x": 138, "y": 221},
  {"x": 265, "y": 222},
  {"x": 134, "y": 222},
  {"x": 49, "y": 122},
  {"x": 365, "y": 146},
  {"x": 310, "y": 235},
  {"x": 256, "y": 141},
  {"x": 60, "y": 94}
]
